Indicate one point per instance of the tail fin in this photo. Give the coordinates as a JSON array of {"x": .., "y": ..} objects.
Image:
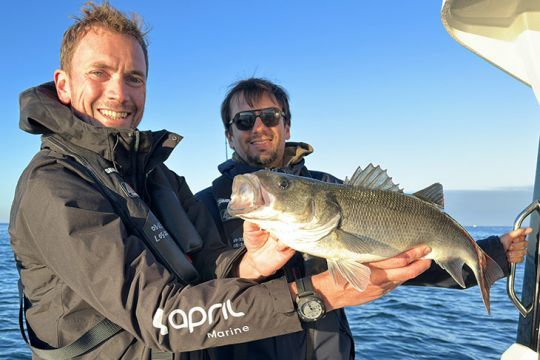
[{"x": 487, "y": 273}]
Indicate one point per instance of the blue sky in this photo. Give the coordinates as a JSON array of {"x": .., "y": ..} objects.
[{"x": 377, "y": 82}]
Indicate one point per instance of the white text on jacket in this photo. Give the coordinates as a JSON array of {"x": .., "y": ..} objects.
[{"x": 196, "y": 316}]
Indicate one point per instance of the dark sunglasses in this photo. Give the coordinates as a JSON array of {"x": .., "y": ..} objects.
[{"x": 245, "y": 120}]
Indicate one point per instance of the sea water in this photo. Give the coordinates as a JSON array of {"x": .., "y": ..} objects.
[{"x": 412, "y": 322}]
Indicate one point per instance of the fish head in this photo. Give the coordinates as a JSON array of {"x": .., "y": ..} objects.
[
  {"x": 299, "y": 211},
  {"x": 270, "y": 196},
  {"x": 286, "y": 205}
]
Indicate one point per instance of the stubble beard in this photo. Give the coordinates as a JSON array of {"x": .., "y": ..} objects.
[{"x": 262, "y": 160}]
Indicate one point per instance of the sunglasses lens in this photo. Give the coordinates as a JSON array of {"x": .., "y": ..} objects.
[
  {"x": 245, "y": 121},
  {"x": 270, "y": 117}
]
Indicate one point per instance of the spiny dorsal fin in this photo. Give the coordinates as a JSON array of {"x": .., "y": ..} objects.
[
  {"x": 433, "y": 194},
  {"x": 374, "y": 178}
]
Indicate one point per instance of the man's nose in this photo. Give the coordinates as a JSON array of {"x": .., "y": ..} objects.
[
  {"x": 258, "y": 125},
  {"x": 116, "y": 89}
]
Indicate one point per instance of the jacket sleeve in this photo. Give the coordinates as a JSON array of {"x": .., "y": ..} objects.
[
  {"x": 75, "y": 233},
  {"x": 437, "y": 276}
]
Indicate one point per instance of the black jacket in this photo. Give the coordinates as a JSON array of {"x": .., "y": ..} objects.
[{"x": 80, "y": 262}]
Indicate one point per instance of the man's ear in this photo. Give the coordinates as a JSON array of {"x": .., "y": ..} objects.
[
  {"x": 61, "y": 80},
  {"x": 287, "y": 132}
]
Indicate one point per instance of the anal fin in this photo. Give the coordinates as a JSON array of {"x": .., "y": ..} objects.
[{"x": 455, "y": 268}]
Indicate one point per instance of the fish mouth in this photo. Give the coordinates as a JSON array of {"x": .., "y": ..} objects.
[{"x": 247, "y": 195}]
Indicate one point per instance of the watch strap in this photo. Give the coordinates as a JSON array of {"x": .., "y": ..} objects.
[
  {"x": 304, "y": 286},
  {"x": 306, "y": 298}
]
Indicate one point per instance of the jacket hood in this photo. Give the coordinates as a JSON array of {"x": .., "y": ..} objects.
[
  {"x": 41, "y": 112},
  {"x": 294, "y": 161}
]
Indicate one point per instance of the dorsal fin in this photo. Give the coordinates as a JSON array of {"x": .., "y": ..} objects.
[
  {"x": 433, "y": 194},
  {"x": 374, "y": 178}
]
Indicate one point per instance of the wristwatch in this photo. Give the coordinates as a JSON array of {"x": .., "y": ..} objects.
[{"x": 310, "y": 307}]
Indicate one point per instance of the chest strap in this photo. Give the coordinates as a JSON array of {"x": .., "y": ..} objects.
[{"x": 133, "y": 211}]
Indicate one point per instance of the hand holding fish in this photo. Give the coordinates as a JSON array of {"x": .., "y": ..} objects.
[
  {"x": 265, "y": 253},
  {"x": 386, "y": 275},
  {"x": 515, "y": 245},
  {"x": 400, "y": 268}
]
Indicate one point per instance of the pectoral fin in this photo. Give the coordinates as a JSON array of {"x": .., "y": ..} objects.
[
  {"x": 455, "y": 268},
  {"x": 354, "y": 243},
  {"x": 344, "y": 271}
]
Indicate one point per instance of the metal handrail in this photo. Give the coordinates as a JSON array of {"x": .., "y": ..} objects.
[{"x": 524, "y": 311}]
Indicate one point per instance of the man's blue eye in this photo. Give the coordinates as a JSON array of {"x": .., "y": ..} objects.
[{"x": 135, "y": 80}]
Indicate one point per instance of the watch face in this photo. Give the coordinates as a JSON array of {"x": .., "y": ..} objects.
[{"x": 312, "y": 309}]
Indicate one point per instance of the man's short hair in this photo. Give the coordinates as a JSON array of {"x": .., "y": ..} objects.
[
  {"x": 252, "y": 89},
  {"x": 101, "y": 16}
]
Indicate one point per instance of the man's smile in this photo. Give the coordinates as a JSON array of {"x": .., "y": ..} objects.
[
  {"x": 261, "y": 141},
  {"x": 114, "y": 115}
]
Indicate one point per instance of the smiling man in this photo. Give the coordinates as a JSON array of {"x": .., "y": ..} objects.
[
  {"x": 112, "y": 248},
  {"x": 257, "y": 121}
]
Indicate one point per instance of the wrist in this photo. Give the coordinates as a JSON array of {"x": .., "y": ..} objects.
[
  {"x": 247, "y": 269},
  {"x": 319, "y": 283},
  {"x": 323, "y": 284}
]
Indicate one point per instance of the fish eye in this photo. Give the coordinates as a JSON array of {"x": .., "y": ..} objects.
[{"x": 283, "y": 184}]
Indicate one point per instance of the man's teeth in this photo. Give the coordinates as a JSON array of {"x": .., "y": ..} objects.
[{"x": 114, "y": 114}]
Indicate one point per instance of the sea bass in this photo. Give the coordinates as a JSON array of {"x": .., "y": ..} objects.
[{"x": 368, "y": 218}]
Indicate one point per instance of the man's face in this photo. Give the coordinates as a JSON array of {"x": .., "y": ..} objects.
[
  {"x": 107, "y": 79},
  {"x": 261, "y": 146}
]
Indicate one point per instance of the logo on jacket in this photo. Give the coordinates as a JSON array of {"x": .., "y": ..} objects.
[
  {"x": 237, "y": 242},
  {"x": 195, "y": 317},
  {"x": 222, "y": 206}
]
